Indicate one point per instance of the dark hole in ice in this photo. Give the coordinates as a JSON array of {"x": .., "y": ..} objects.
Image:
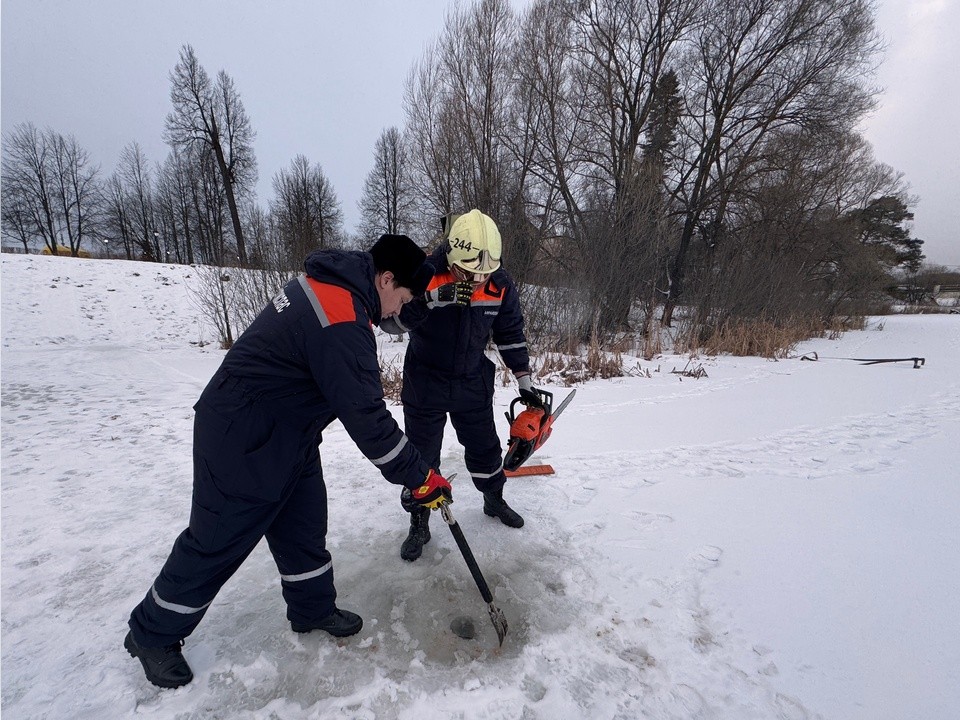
[{"x": 464, "y": 627}]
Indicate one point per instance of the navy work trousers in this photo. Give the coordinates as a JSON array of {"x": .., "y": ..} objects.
[
  {"x": 427, "y": 400},
  {"x": 249, "y": 482}
]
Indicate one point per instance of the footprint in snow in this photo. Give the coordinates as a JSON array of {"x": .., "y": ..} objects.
[
  {"x": 789, "y": 708},
  {"x": 688, "y": 699},
  {"x": 584, "y": 493},
  {"x": 707, "y": 556},
  {"x": 647, "y": 520}
]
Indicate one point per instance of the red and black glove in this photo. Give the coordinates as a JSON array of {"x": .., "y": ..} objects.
[{"x": 434, "y": 492}]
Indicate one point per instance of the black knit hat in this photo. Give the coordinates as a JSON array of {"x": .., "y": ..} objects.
[{"x": 401, "y": 256}]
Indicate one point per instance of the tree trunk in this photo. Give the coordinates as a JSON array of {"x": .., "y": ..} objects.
[{"x": 231, "y": 198}]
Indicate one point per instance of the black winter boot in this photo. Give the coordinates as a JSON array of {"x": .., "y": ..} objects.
[
  {"x": 165, "y": 666},
  {"x": 339, "y": 623},
  {"x": 418, "y": 536},
  {"x": 495, "y": 506}
]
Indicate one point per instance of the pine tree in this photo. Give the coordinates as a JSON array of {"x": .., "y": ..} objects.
[{"x": 882, "y": 226}]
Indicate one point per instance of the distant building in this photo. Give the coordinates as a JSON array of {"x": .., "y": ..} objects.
[{"x": 946, "y": 292}]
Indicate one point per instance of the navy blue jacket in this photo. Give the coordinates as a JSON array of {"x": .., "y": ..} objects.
[
  {"x": 453, "y": 343},
  {"x": 310, "y": 357}
]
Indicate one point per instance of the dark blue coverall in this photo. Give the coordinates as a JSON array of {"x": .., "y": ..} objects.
[
  {"x": 310, "y": 357},
  {"x": 446, "y": 370}
]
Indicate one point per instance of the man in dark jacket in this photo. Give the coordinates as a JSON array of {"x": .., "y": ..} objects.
[
  {"x": 470, "y": 300},
  {"x": 310, "y": 357}
]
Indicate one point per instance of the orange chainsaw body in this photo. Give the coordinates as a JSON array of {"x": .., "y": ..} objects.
[{"x": 529, "y": 430}]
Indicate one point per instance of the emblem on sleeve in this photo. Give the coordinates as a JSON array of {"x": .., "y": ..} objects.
[{"x": 281, "y": 302}]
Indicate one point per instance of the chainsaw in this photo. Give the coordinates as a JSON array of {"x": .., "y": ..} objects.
[{"x": 531, "y": 429}]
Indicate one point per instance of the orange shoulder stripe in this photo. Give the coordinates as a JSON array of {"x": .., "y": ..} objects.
[
  {"x": 332, "y": 304},
  {"x": 441, "y": 279}
]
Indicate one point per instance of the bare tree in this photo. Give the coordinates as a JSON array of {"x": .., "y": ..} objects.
[
  {"x": 550, "y": 115},
  {"x": 28, "y": 175},
  {"x": 210, "y": 207},
  {"x": 305, "y": 210},
  {"x": 594, "y": 84},
  {"x": 230, "y": 298},
  {"x": 16, "y": 221},
  {"x": 431, "y": 142},
  {"x": 77, "y": 191},
  {"x": 267, "y": 252},
  {"x": 476, "y": 52},
  {"x": 134, "y": 173},
  {"x": 117, "y": 227},
  {"x": 214, "y": 297},
  {"x": 804, "y": 241},
  {"x": 637, "y": 128},
  {"x": 175, "y": 215},
  {"x": 458, "y": 105},
  {"x": 624, "y": 53},
  {"x": 53, "y": 187},
  {"x": 755, "y": 67},
  {"x": 387, "y": 202},
  {"x": 212, "y": 115}
]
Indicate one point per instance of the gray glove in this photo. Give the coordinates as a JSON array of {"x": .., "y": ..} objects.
[
  {"x": 528, "y": 393},
  {"x": 525, "y": 382}
]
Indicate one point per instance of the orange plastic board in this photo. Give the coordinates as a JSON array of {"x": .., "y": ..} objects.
[{"x": 530, "y": 470}]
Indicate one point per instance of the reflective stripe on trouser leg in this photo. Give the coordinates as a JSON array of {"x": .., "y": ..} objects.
[
  {"x": 297, "y": 539},
  {"x": 485, "y": 477},
  {"x": 310, "y": 596},
  {"x": 189, "y": 581},
  {"x": 308, "y": 575},
  {"x": 173, "y": 607},
  {"x": 222, "y": 533},
  {"x": 482, "y": 452}
]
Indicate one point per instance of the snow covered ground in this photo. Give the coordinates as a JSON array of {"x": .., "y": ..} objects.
[{"x": 776, "y": 540}]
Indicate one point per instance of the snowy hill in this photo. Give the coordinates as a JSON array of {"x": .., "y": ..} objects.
[{"x": 775, "y": 540}]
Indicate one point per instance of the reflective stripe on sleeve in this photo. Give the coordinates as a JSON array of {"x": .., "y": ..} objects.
[
  {"x": 515, "y": 346},
  {"x": 307, "y": 575},
  {"x": 173, "y": 607},
  {"x": 392, "y": 454},
  {"x": 314, "y": 302}
]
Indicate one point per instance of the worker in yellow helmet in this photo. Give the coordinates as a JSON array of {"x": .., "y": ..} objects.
[{"x": 470, "y": 300}]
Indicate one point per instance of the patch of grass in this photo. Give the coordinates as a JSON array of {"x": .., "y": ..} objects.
[
  {"x": 769, "y": 339},
  {"x": 595, "y": 360},
  {"x": 391, "y": 376}
]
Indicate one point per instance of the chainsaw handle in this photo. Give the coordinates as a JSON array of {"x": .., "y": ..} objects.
[
  {"x": 511, "y": 415},
  {"x": 543, "y": 397},
  {"x": 546, "y": 403}
]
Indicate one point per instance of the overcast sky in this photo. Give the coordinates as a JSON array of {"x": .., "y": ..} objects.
[{"x": 323, "y": 78}]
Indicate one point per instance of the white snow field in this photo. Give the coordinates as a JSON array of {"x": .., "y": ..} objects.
[{"x": 774, "y": 540}]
